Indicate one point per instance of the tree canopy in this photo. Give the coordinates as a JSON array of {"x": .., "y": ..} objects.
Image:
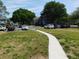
[
  {"x": 1, "y": 3},
  {"x": 53, "y": 11},
  {"x": 74, "y": 17},
  {"x": 23, "y": 16},
  {"x": 75, "y": 14},
  {"x": 3, "y": 11}
]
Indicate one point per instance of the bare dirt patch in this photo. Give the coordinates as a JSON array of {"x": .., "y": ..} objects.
[{"x": 1, "y": 32}]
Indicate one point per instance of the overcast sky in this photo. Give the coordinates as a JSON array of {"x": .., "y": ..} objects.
[{"x": 37, "y": 5}]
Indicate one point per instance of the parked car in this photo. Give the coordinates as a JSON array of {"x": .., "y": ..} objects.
[
  {"x": 57, "y": 26},
  {"x": 24, "y": 27},
  {"x": 49, "y": 26},
  {"x": 18, "y": 27},
  {"x": 2, "y": 28},
  {"x": 65, "y": 26},
  {"x": 74, "y": 26}
]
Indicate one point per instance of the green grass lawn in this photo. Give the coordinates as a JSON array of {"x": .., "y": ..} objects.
[
  {"x": 22, "y": 45},
  {"x": 69, "y": 39},
  {"x": 26, "y": 44}
]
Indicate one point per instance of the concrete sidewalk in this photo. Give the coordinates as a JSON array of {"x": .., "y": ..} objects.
[{"x": 55, "y": 49}]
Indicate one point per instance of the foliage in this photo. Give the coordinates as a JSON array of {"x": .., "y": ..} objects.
[
  {"x": 75, "y": 14},
  {"x": 75, "y": 17},
  {"x": 10, "y": 26},
  {"x": 23, "y": 16},
  {"x": 3, "y": 9},
  {"x": 1, "y": 3},
  {"x": 53, "y": 11}
]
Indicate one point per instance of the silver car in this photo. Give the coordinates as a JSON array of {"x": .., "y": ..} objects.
[
  {"x": 24, "y": 27},
  {"x": 2, "y": 28},
  {"x": 49, "y": 26}
]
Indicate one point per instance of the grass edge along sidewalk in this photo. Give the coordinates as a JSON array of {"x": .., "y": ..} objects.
[
  {"x": 23, "y": 45},
  {"x": 69, "y": 39},
  {"x": 55, "y": 49}
]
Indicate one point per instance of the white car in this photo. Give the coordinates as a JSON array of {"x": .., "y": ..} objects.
[
  {"x": 49, "y": 26},
  {"x": 25, "y": 27},
  {"x": 2, "y": 28}
]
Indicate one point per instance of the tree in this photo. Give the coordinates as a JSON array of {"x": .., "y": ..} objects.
[
  {"x": 23, "y": 16},
  {"x": 54, "y": 11},
  {"x": 75, "y": 17},
  {"x": 3, "y": 11},
  {"x": 75, "y": 14},
  {"x": 10, "y": 26}
]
